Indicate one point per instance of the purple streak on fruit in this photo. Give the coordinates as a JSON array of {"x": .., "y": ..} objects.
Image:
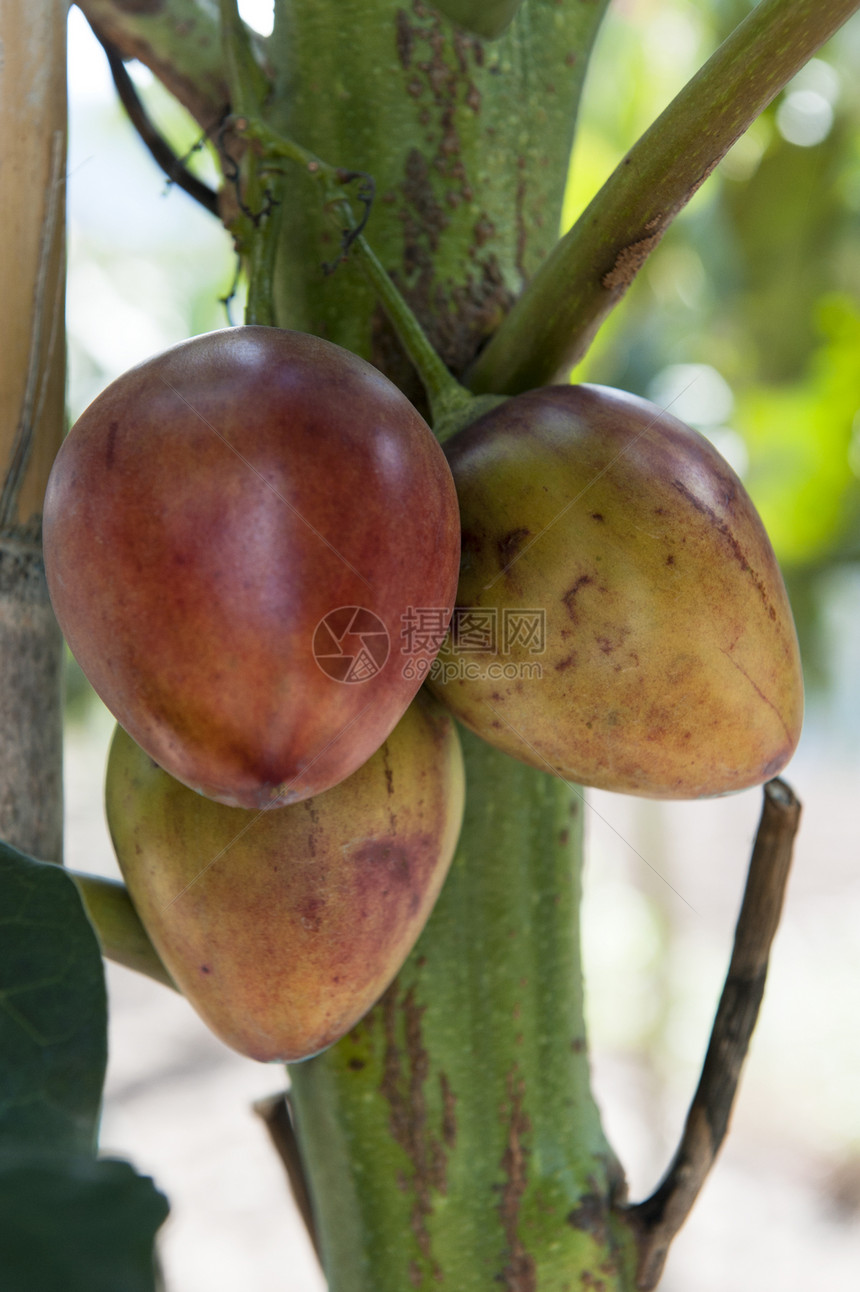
[
  {"x": 205, "y": 513},
  {"x": 286, "y": 939},
  {"x": 671, "y": 667}
]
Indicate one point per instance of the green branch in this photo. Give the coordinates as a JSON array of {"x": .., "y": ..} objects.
[
  {"x": 590, "y": 269},
  {"x": 246, "y": 81},
  {"x": 255, "y": 229},
  {"x": 451, "y": 405},
  {"x": 122, "y": 936}
]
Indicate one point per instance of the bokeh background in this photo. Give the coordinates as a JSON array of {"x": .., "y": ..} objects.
[{"x": 748, "y": 318}]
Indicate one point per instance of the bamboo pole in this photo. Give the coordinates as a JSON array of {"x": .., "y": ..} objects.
[{"x": 32, "y": 393}]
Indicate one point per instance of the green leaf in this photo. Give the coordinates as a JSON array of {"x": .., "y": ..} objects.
[
  {"x": 53, "y": 1012},
  {"x": 75, "y": 1224},
  {"x": 487, "y": 18},
  {"x": 67, "y": 1221}
]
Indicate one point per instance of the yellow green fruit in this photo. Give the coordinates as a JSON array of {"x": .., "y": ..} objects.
[
  {"x": 283, "y": 927},
  {"x": 669, "y": 664}
]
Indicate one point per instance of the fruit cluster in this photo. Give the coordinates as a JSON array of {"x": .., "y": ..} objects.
[{"x": 239, "y": 536}]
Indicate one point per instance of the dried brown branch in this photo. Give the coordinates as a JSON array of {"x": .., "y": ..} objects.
[
  {"x": 658, "y": 1219},
  {"x": 277, "y": 1114},
  {"x": 159, "y": 148}
]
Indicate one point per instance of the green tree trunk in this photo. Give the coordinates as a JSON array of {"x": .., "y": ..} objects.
[
  {"x": 468, "y": 145},
  {"x": 451, "y": 1140}
]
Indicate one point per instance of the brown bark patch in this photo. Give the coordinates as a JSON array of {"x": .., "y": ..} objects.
[
  {"x": 520, "y": 217},
  {"x": 519, "y": 1273},
  {"x": 628, "y": 262},
  {"x": 406, "y": 1068},
  {"x": 403, "y": 38},
  {"x": 458, "y": 317},
  {"x": 449, "y": 1111},
  {"x": 591, "y": 1217}
]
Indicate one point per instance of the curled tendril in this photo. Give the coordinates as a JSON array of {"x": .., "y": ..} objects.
[
  {"x": 232, "y": 175},
  {"x": 365, "y": 194},
  {"x": 211, "y": 134}
]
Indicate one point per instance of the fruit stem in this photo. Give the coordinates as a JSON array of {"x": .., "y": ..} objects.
[
  {"x": 255, "y": 228},
  {"x": 261, "y": 238},
  {"x": 451, "y": 404},
  {"x": 122, "y": 936}
]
